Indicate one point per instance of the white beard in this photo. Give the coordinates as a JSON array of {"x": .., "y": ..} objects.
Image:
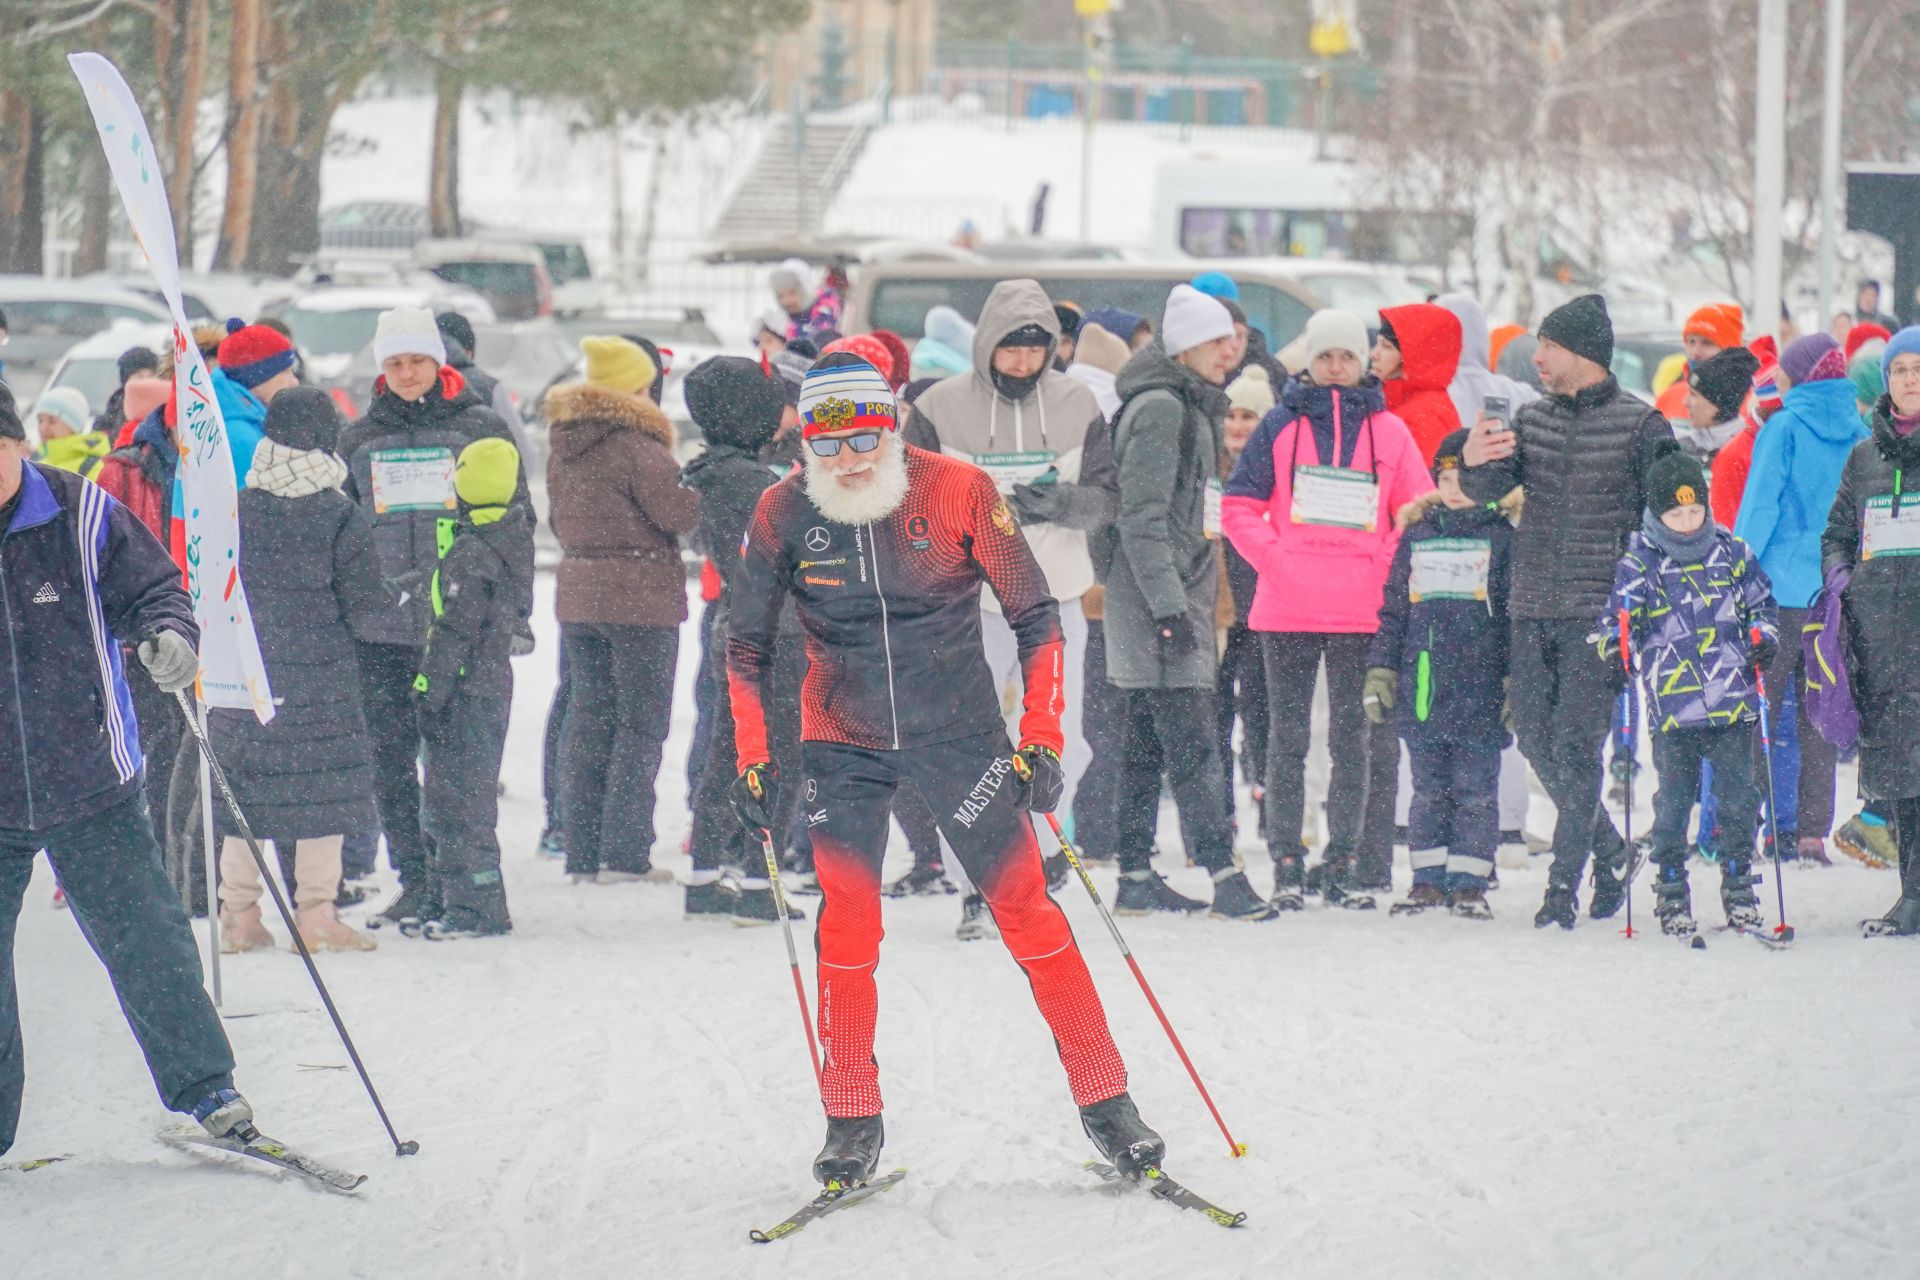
[{"x": 870, "y": 502}]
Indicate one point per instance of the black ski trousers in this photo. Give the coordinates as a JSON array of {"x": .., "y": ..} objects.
[
  {"x": 461, "y": 807},
  {"x": 1365, "y": 777},
  {"x": 617, "y": 718},
  {"x": 386, "y": 696},
  {"x": 1563, "y": 708},
  {"x": 1175, "y": 732},
  {"x": 109, "y": 864}
]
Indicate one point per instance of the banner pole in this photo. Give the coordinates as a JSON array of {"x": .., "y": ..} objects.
[{"x": 213, "y": 865}]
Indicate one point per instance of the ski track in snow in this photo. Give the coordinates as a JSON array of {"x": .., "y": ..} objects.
[{"x": 614, "y": 1092}]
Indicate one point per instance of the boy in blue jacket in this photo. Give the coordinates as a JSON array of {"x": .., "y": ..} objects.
[
  {"x": 1700, "y": 617},
  {"x": 1440, "y": 661}
]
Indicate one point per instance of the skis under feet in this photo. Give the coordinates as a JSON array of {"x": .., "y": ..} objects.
[
  {"x": 1172, "y": 1192},
  {"x": 832, "y": 1199},
  {"x": 1772, "y": 941},
  {"x": 274, "y": 1152}
]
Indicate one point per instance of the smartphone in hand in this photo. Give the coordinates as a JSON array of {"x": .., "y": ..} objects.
[{"x": 1500, "y": 409}]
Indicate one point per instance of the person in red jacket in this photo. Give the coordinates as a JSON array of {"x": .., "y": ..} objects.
[
  {"x": 884, "y": 549},
  {"x": 1415, "y": 359},
  {"x": 1729, "y": 482}
]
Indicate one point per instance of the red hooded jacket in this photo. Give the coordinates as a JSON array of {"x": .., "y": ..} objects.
[{"x": 1429, "y": 339}]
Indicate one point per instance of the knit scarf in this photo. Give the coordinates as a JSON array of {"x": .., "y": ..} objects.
[
  {"x": 1708, "y": 441},
  {"x": 294, "y": 473},
  {"x": 1685, "y": 548}
]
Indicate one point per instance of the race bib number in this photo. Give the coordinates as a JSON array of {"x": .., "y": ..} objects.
[
  {"x": 413, "y": 479},
  {"x": 1010, "y": 469},
  {"x": 1885, "y": 534},
  {"x": 1339, "y": 497},
  {"x": 1211, "y": 519},
  {"x": 1450, "y": 569}
]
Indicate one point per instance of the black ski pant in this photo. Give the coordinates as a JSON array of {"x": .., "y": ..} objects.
[
  {"x": 1175, "y": 732},
  {"x": 1564, "y": 700},
  {"x": 1243, "y": 695},
  {"x": 1819, "y": 762},
  {"x": 1678, "y": 755},
  {"x": 109, "y": 864},
  {"x": 1365, "y": 777},
  {"x": 617, "y": 723},
  {"x": 461, "y": 804},
  {"x": 386, "y": 696},
  {"x": 1103, "y": 719},
  {"x": 1906, "y": 823},
  {"x": 551, "y": 768}
]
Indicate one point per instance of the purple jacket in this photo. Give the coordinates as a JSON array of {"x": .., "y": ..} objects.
[{"x": 1829, "y": 692}]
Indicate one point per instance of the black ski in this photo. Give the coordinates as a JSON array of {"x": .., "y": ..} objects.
[
  {"x": 828, "y": 1201},
  {"x": 274, "y": 1152},
  {"x": 1174, "y": 1193},
  {"x": 28, "y": 1166}
]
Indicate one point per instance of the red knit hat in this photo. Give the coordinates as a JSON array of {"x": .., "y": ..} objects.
[
  {"x": 252, "y": 353},
  {"x": 1861, "y": 334},
  {"x": 902, "y": 358},
  {"x": 869, "y": 348}
]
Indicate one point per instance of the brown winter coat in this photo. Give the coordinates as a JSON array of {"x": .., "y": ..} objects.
[{"x": 616, "y": 504}]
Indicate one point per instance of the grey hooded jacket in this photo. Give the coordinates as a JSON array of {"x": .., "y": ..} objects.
[{"x": 1473, "y": 381}]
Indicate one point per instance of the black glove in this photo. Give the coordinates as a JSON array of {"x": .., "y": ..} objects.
[
  {"x": 1043, "y": 779},
  {"x": 1038, "y": 503},
  {"x": 750, "y": 795},
  {"x": 1177, "y": 637},
  {"x": 1765, "y": 649}
]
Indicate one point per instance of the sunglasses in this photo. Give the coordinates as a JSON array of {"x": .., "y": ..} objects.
[{"x": 859, "y": 442}]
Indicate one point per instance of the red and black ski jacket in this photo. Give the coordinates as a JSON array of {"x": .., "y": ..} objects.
[{"x": 891, "y": 612}]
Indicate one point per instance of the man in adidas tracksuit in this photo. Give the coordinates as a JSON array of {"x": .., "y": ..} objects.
[
  {"x": 79, "y": 574},
  {"x": 884, "y": 549}
]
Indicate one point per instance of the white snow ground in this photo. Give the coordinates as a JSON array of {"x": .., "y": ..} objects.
[{"x": 612, "y": 1092}]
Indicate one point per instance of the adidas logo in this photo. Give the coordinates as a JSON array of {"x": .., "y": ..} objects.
[{"x": 46, "y": 594}]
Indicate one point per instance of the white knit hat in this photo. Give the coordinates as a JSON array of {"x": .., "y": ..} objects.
[
  {"x": 1332, "y": 330},
  {"x": 1191, "y": 319},
  {"x": 69, "y": 404},
  {"x": 408, "y": 331},
  {"x": 1252, "y": 390}
]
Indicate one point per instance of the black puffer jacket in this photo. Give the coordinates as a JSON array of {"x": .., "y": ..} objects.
[
  {"x": 1582, "y": 460},
  {"x": 1883, "y": 609},
  {"x": 396, "y": 456},
  {"x": 315, "y": 585}
]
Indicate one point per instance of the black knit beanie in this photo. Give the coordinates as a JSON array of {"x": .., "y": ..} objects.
[
  {"x": 1582, "y": 327},
  {"x": 1725, "y": 380},
  {"x": 11, "y": 427},
  {"x": 304, "y": 418},
  {"x": 1675, "y": 480},
  {"x": 1451, "y": 455}
]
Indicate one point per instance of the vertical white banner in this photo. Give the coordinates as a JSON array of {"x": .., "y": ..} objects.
[{"x": 232, "y": 673}]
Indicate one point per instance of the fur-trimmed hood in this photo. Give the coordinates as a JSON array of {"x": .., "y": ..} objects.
[{"x": 575, "y": 410}]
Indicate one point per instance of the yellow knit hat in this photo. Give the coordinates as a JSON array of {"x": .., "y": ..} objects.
[
  {"x": 487, "y": 473},
  {"x": 617, "y": 365}
]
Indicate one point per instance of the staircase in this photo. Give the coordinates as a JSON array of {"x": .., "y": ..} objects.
[{"x": 789, "y": 188}]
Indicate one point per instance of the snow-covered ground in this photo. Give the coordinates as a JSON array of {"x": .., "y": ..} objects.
[{"x": 612, "y": 1092}]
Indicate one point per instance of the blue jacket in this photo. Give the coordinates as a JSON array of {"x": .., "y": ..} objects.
[
  {"x": 1797, "y": 461},
  {"x": 77, "y": 573},
  {"x": 1691, "y": 628},
  {"x": 246, "y": 419},
  {"x": 1450, "y": 646}
]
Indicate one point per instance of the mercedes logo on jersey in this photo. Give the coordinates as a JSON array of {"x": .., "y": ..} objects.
[{"x": 818, "y": 539}]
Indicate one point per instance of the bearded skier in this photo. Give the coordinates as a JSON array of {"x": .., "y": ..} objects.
[{"x": 885, "y": 548}]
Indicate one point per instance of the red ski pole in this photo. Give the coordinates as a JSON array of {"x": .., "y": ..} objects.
[
  {"x": 1626, "y": 726},
  {"x": 1073, "y": 857},
  {"x": 793, "y": 956}
]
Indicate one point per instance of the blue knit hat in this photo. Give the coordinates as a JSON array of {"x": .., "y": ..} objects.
[
  {"x": 1217, "y": 284},
  {"x": 1904, "y": 343}
]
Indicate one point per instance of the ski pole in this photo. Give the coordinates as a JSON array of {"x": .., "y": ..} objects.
[
  {"x": 793, "y": 956},
  {"x": 1626, "y": 726},
  {"x": 1784, "y": 930},
  {"x": 1073, "y": 858},
  {"x": 400, "y": 1148}
]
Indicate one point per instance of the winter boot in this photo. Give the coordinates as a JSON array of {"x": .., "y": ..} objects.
[
  {"x": 711, "y": 902},
  {"x": 456, "y": 923},
  {"x": 1868, "y": 842},
  {"x": 1120, "y": 1134},
  {"x": 1234, "y": 899},
  {"x": 1471, "y": 904},
  {"x": 242, "y": 931},
  {"x": 1811, "y": 851},
  {"x": 1673, "y": 904},
  {"x": 322, "y": 929},
  {"x": 414, "y": 904},
  {"x": 1289, "y": 883},
  {"x": 976, "y": 921},
  {"x": 1902, "y": 921},
  {"x": 225, "y": 1114},
  {"x": 1611, "y": 872},
  {"x": 851, "y": 1151},
  {"x": 1738, "y": 899},
  {"x": 1422, "y": 897},
  {"x": 1142, "y": 893},
  {"x": 552, "y": 844},
  {"x": 1559, "y": 907},
  {"x": 755, "y": 906},
  {"x": 1337, "y": 886},
  {"x": 922, "y": 881}
]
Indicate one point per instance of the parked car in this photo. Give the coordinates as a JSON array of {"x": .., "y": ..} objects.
[
  {"x": 331, "y": 326},
  {"x": 525, "y": 355},
  {"x": 45, "y": 318},
  {"x": 209, "y": 297},
  {"x": 512, "y": 277},
  {"x": 92, "y": 365}
]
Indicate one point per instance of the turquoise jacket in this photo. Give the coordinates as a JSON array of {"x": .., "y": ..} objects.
[{"x": 1797, "y": 461}]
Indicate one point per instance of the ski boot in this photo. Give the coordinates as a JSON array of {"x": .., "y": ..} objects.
[
  {"x": 1470, "y": 904},
  {"x": 1337, "y": 886},
  {"x": 1289, "y": 883},
  {"x": 1121, "y": 1136},
  {"x": 242, "y": 931},
  {"x": 753, "y": 905},
  {"x": 1901, "y": 921},
  {"x": 928, "y": 880},
  {"x": 1420, "y": 899},
  {"x": 1811, "y": 851},
  {"x": 1234, "y": 899},
  {"x": 851, "y": 1151},
  {"x": 1738, "y": 899},
  {"x": 976, "y": 921},
  {"x": 711, "y": 902},
  {"x": 322, "y": 929},
  {"x": 1673, "y": 908},
  {"x": 1868, "y": 842},
  {"x": 1559, "y": 907},
  {"x": 413, "y": 905},
  {"x": 225, "y": 1114},
  {"x": 1142, "y": 893}
]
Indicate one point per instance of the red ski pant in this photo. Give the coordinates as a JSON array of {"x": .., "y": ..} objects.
[{"x": 846, "y": 799}]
